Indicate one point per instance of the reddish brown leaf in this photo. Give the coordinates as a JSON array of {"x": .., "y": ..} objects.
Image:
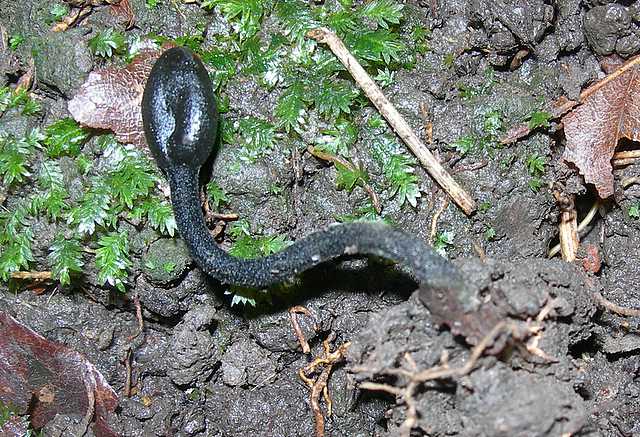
[
  {"x": 609, "y": 112},
  {"x": 43, "y": 378},
  {"x": 124, "y": 11},
  {"x": 110, "y": 98}
]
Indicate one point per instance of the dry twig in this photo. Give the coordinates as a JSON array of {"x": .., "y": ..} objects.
[
  {"x": 583, "y": 224},
  {"x": 397, "y": 122},
  {"x": 569, "y": 242},
  {"x": 33, "y": 276}
]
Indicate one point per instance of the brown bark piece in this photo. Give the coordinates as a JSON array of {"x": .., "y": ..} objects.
[{"x": 593, "y": 129}]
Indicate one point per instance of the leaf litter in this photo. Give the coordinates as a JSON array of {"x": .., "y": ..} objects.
[
  {"x": 43, "y": 378},
  {"x": 593, "y": 129},
  {"x": 111, "y": 98}
]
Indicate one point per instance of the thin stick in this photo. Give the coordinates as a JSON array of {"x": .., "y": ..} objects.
[
  {"x": 34, "y": 276},
  {"x": 583, "y": 224},
  {"x": 630, "y": 181},
  {"x": 397, "y": 122},
  {"x": 596, "y": 86},
  {"x": 569, "y": 242},
  {"x": 627, "y": 154}
]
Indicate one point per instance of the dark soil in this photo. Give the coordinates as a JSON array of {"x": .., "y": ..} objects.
[{"x": 203, "y": 368}]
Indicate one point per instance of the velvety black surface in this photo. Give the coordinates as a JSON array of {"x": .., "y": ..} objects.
[{"x": 180, "y": 120}]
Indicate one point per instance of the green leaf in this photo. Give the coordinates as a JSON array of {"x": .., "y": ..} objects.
[
  {"x": 93, "y": 209},
  {"x": 634, "y": 211},
  {"x": 15, "y": 41},
  {"x": 535, "y": 184},
  {"x": 257, "y": 138},
  {"x": 442, "y": 242},
  {"x": 397, "y": 169},
  {"x": 404, "y": 183},
  {"x": 58, "y": 11},
  {"x": 464, "y": 144},
  {"x": 222, "y": 67},
  {"x": 106, "y": 43},
  {"x": 53, "y": 201},
  {"x": 84, "y": 163},
  {"x": 131, "y": 180},
  {"x": 217, "y": 196},
  {"x": 492, "y": 124},
  {"x": 490, "y": 234},
  {"x": 376, "y": 46},
  {"x": 245, "y": 15},
  {"x": 539, "y": 119},
  {"x": 13, "y": 222},
  {"x": 250, "y": 247},
  {"x": 383, "y": 12},
  {"x": 342, "y": 22},
  {"x": 64, "y": 137},
  {"x": 366, "y": 213},
  {"x": 112, "y": 259},
  {"x": 161, "y": 218},
  {"x": 535, "y": 164},
  {"x": 16, "y": 254},
  {"x": 65, "y": 258},
  {"x": 338, "y": 141},
  {"x": 385, "y": 77},
  {"x": 349, "y": 178},
  {"x": 50, "y": 175},
  {"x": 191, "y": 41},
  {"x": 332, "y": 98},
  {"x": 296, "y": 18},
  {"x": 15, "y": 158},
  {"x": 291, "y": 108}
]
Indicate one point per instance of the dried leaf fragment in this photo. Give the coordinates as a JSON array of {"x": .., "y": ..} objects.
[
  {"x": 43, "y": 378},
  {"x": 593, "y": 129},
  {"x": 110, "y": 98}
]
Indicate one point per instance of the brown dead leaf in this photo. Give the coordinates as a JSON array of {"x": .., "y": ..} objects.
[
  {"x": 610, "y": 112},
  {"x": 110, "y": 98},
  {"x": 43, "y": 378},
  {"x": 124, "y": 11}
]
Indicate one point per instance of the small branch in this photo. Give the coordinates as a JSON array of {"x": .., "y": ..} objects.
[
  {"x": 569, "y": 242},
  {"x": 596, "y": 86},
  {"x": 375, "y": 200},
  {"x": 138, "y": 306},
  {"x": 583, "y": 224},
  {"x": 614, "y": 308},
  {"x": 33, "y": 276},
  {"x": 128, "y": 373},
  {"x": 397, "y": 122},
  {"x": 630, "y": 181},
  {"x": 472, "y": 167}
]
